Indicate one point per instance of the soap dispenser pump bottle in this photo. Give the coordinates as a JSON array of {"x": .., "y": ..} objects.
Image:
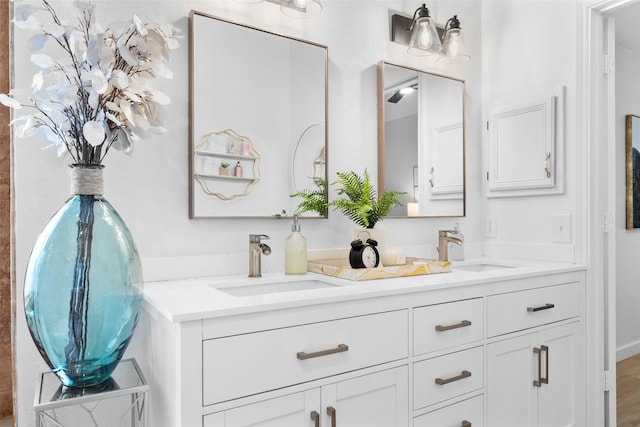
[{"x": 295, "y": 250}]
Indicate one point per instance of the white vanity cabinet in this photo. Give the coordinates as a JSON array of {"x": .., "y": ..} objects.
[
  {"x": 374, "y": 400},
  {"x": 535, "y": 375},
  {"x": 413, "y": 352}
]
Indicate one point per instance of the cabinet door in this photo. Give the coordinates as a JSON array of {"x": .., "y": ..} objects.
[
  {"x": 375, "y": 400},
  {"x": 560, "y": 399},
  {"x": 511, "y": 396},
  {"x": 293, "y": 410}
]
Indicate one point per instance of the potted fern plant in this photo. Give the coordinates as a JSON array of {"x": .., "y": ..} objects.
[{"x": 361, "y": 204}]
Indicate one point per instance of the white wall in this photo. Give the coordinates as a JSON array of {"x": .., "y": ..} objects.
[
  {"x": 531, "y": 46},
  {"x": 149, "y": 189}
]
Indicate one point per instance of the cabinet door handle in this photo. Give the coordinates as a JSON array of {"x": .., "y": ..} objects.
[
  {"x": 545, "y": 379},
  {"x": 339, "y": 349},
  {"x": 442, "y": 328},
  {"x": 540, "y": 308},
  {"x": 315, "y": 417},
  {"x": 465, "y": 423},
  {"x": 331, "y": 411},
  {"x": 463, "y": 375},
  {"x": 542, "y": 380}
]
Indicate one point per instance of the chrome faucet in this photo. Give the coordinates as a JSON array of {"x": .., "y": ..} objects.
[
  {"x": 256, "y": 249},
  {"x": 443, "y": 244}
]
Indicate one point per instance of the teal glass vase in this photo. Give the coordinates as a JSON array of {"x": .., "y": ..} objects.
[{"x": 83, "y": 286}]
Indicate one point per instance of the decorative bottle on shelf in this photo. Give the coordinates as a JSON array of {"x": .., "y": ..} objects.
[
  {"x": 456, "y": 252},
  {"x": 295, "y": 250},
  {"x": 237, "y": 171}
]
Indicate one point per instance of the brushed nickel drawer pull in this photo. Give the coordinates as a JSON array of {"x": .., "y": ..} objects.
[
  {"x": 464, "y": 323},
  {"x": 540, "y": 308},
  {"x": 331, "y": 411},
  {"x": 339, "y": 349},
  {"x": 315, "y": 417},
  {"x": 463, "y": 375},
  {"x": 465, "y": 423}
]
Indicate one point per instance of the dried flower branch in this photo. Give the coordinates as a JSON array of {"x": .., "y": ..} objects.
[{"x": 99, "y": 95}]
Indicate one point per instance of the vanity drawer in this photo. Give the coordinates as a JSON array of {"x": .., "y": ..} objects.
[
  {"x": 442, "y": 326},
  {"x": 468, "y": 413},
  {"x": 448, "y": 376},
  {"x": 246, "y": 364},
  {"x": 520, "y": 310}
]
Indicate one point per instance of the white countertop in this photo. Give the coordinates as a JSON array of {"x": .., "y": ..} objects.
[{"x": 195, "y": 299}]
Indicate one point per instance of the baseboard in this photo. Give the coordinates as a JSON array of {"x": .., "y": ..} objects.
[{"x": 627, "y": 351}]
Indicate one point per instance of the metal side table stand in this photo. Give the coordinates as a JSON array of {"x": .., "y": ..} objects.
[{"x": 118, "y": 402}]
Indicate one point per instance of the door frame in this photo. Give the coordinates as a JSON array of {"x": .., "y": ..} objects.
[{"x": 597, "y": 198}]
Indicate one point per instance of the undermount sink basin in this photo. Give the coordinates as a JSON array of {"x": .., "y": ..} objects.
[
  {"x": 480, "y": 267},
  {"x": 246, "y": 289}
]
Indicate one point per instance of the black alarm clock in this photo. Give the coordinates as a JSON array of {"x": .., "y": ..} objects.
[{"x": 364, "y": 254}]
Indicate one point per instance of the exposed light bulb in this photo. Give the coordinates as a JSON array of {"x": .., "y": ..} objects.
[
  {"x": 425, "y": 36},
  {"x": 406, "y": 90}
]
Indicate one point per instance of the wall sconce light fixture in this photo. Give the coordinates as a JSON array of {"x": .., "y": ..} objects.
[
  {"x": 424, "y": 37},
  {"x": 300, "y": 8},
  {"x": 294, "y": 8}
]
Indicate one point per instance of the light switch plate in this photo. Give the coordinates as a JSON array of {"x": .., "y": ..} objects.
[
  {"x": 561, "y": 226},
  {"x": 490, "y": 230}
]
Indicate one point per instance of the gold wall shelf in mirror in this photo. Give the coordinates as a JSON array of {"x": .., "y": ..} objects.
[
  {"x": 421, "y": 140},
  {"x": 272, "y": 90}
]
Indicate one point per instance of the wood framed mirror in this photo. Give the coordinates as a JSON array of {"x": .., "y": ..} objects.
[
  {"x": 421, "y": 140},
  {"x": 270, "y": 92}
]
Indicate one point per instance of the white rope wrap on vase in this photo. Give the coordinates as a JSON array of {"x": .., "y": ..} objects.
[{"x": 86, "y": 181}]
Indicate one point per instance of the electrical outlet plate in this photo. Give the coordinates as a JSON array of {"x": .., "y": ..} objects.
[
  {"x": 561, "y": 228},
  {"x": 490, "y": 227}
]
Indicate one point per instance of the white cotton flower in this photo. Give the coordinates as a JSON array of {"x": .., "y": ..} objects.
[
  {"x": 139, "y": 25},
  {"x": 94, "y": 49},
  {"x": 43, "y": 61},
  {"x": 160, "y": 69},
  {"x": 122, "y": 142},
  {"x": 121, "y": 79},
  {"x": 113, "y": 119},
  {"x": 37, "y": 42},
  {"x": 94, "y": 98},
  {"x": 127, "y": 111},
  {"x": 112, "y": 106},
  {"x": 9, "y": 102},
  {"x": 98, "y": 80},
  {"x": 24, "y": 126},
  {"x": 77, "y": 44},
  {"x": 93, "y": 132},
  {"x": 28, "y": 23},
  {"x": 133, "y": 96},
  {"x": 159, "y": 97},
  {"x": 126, "y": 54}
]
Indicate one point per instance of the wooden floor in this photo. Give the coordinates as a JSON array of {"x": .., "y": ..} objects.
[
  {"x": 6, "y": 422},
  {"x": 628, "y": 391}
]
